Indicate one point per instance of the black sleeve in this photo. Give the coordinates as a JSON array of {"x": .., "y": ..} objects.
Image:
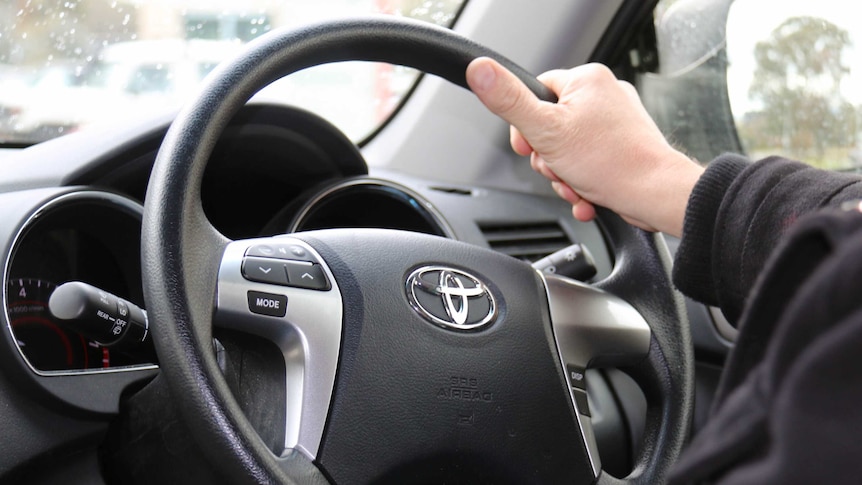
[{"x": 737, "y": 213}]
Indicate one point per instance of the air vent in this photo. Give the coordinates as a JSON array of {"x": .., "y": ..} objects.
[
  {"x": 452, "y": 190},
  {"x": 529, "y": 242}
]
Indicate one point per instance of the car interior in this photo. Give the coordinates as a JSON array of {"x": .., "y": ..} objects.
[{"x": 235, "y": 290}]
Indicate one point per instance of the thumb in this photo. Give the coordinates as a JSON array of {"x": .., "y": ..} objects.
[{"x": 505, "y": 95}]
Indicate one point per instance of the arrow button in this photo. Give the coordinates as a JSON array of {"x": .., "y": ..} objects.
[
  {"x": 264, "y": 270},
  {"x": 306, "y": 275}
]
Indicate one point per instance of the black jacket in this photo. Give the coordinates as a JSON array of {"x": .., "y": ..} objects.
[{"x": 770, "y": 245}]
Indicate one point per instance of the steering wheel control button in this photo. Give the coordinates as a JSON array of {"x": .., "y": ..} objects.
[
  {"x": 577, "y": 377},
  {"x": 264, "y": 270},
  {"x": 267, "y": 304},
  {"x": 306, "y": 275},
  {"x": 293, "y": 252},
  {"x": 451, "y": 298},
  {"x": 296, "y": 252},
  {"x": 262, "y": 250},
  {"x": 581, "y": 401}
]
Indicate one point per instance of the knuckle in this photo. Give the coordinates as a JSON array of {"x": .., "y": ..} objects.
[
  {"x": 599, "y": 70},
  {"x": 598, "y": 74},
  {"x": 627, "y": 87}
]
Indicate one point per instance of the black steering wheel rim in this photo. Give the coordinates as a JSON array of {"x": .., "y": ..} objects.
[{"x": 180, "y": 269}]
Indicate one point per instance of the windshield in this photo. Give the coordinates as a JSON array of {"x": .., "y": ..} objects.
[{"x": 66, "y": 65}]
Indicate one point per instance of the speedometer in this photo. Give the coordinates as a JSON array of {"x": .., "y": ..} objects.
[{"x": 46, "y": 343}]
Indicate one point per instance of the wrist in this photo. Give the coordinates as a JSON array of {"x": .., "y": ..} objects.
[{"x": 671, "y": 187}]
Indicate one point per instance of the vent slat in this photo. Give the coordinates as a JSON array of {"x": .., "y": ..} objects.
[
  {"x": 529, "y": 242},
  {"x": 524, "y": 236},
  {"x": 519, "y": 249}
]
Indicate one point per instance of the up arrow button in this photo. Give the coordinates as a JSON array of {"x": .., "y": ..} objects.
[{"x": 306, "y": 275}]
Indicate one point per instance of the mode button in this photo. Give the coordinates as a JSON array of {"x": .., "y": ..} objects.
[{"x": 267, "y": 304}]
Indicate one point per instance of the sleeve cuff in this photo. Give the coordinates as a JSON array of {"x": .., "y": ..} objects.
[{"x": 692, "y": 272}]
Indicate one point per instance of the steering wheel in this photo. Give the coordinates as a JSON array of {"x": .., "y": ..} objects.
[{"x": 407, "y": 357}]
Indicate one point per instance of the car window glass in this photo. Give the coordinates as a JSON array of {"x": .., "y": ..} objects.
[
  {"x": 761, "y": 77},
  {"x": 150, "y": 79},
  {"x": 795, "y": 79},
  {"x": 683, "y": 83},
  {"x": 127, "y": 58}
]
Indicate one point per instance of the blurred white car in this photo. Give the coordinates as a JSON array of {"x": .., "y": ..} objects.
[{"x": 19, "y": 89}]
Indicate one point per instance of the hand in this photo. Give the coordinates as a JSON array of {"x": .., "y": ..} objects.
[{"x": 597, "y": 144}]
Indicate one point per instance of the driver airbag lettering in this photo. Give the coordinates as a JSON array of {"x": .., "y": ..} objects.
[{"x": 464, "y": 389}]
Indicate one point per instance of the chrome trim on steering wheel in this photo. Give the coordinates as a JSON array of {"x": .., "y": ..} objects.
[
  {"x": 592, "y": 327},
  {"x": 308, "y": 335}
]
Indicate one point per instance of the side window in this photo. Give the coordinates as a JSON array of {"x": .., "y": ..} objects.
[
  {"x": 794, "y": 80},
  {"x": 761, "y": 77}
]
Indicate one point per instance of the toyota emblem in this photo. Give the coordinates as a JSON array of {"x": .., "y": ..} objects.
[{"x": 451, "y": 298}]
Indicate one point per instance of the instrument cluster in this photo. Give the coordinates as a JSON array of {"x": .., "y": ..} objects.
[{"x": 92, "y": 237}]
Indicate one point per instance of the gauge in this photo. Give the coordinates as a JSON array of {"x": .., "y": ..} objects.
[{"x": 47, "y": 344}]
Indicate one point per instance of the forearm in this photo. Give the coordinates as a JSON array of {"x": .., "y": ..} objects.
[{"x": 737, "y": 214}]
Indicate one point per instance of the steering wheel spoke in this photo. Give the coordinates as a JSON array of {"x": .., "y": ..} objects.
[
  {"x": 592, "y": 328},
  {"x": 280, "y": 289}
]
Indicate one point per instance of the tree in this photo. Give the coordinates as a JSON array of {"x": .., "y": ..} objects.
[{"x": 800, "y": 68}]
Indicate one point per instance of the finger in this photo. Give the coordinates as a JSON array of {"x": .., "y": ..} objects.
[
  {"x": 566, "y": 193},
  {"x": 506, "y": 96},
  {"x": 519, "y": 144},
  {"x": 584, "y": 211},
  {"x": 555, "y": 79},
  {"x": 539, "y": 165},
  {"x": 566, "y": 81}
]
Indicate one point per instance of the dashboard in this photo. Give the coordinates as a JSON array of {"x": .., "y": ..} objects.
[
  {"x": 72, "y": 212},
  {"x": 275, "y": 170}
]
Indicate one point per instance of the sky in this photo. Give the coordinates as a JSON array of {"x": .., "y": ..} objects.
[{"x": 752, "y": 21}]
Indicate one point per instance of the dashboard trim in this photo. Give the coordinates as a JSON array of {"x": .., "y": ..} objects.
[
  {"x": 119, "y": 201},
  {"x": 425, "y": 205}
]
